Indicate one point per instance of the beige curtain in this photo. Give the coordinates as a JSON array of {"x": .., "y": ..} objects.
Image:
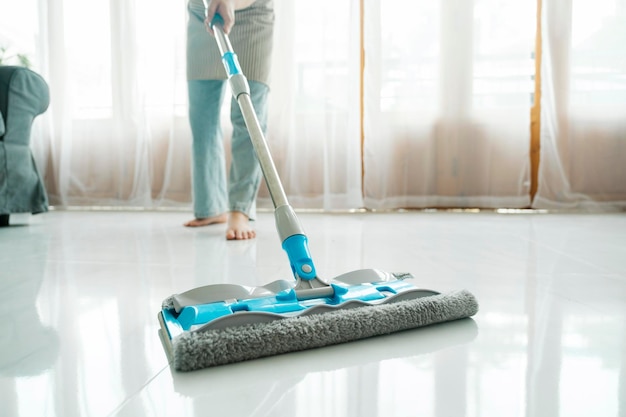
[
  {"x": 583, "y": 118},
  {"x": 448, "y": 88}
]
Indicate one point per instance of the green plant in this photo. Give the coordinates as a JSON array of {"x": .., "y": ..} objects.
[{"x": 7, "y": 57}]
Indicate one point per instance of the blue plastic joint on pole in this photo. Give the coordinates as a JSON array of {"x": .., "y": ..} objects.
[
  {"x": 231, "y": 63},
  {"x": 297, "y": 249}
]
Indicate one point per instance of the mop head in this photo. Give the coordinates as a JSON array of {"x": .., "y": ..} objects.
[{"x": 202, "y": 349}]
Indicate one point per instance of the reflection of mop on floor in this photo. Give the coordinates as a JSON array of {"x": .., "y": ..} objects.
[{"x": 289, "y": 372}]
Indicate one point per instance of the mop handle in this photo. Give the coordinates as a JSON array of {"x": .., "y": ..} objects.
[
  {"x": 241, "y": 92},
  {"x": 293, "y": 238}
]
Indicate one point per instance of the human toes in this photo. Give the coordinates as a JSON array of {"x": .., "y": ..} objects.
[{"x": 240, "y": 234}]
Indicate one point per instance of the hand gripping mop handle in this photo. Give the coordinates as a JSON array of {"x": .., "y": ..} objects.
[{"x": 291, "y": 233}]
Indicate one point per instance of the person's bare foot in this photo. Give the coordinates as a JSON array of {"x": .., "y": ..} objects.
[
  {"x": 239, "y": 227},
  {"x": 206, "y": 221}
]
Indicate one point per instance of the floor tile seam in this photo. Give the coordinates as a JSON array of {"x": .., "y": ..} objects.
[
  {"x": 614, "y": 276},
  {"x": 78, "y": 262},
  {"x": 573, "y": 257},
  {"x": 595, "y": 308},
  {"x": 134, "y": 394}
]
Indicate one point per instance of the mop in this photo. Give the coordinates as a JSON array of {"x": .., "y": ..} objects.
[{"x": 220, "y": 324}]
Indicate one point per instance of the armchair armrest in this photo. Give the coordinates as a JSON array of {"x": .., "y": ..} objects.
[{"x": 24, "y": 95}]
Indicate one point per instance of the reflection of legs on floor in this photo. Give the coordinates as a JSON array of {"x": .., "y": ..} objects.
[{"x": 218, "y": 261}]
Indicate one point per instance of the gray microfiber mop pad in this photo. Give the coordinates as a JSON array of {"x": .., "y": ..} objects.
[{"x": 197, "y": 349}]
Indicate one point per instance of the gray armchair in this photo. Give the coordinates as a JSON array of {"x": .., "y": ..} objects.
[{"x": 24, "y": 95}]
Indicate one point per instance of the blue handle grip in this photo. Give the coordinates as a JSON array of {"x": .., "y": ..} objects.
[{"x": 217, "y": 20}]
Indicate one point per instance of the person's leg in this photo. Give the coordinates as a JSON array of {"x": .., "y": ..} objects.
[
  {"x": 245, "y": 171},
  {"x": 210, "y": 202}
]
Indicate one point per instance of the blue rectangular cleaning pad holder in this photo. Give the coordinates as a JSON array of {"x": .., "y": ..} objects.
[{"x": 283, "y": 303}]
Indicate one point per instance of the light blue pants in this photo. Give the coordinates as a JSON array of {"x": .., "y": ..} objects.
[{"x": 212, "y": 194}]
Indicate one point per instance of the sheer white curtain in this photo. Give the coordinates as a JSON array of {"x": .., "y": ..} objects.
[
  {"x": 447, "y": 103},
  {"x": 583, "y": 134},
  {"x": 117, "y": 134},
  {"x": 314, "y": 113},
  {"x": 448, "y": 87}
]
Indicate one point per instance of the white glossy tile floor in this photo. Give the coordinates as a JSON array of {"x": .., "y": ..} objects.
[{"x": 81, "y": 292}]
